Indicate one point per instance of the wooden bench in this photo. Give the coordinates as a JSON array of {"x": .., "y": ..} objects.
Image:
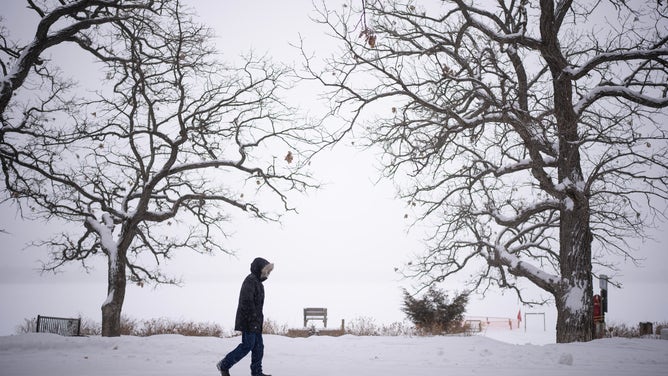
[
  {"x": 315, "y": 314},
  {"x": 58, "y": 325}
]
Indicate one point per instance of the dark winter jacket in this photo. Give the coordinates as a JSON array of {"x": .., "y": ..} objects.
[{"x": 251, "y": 297}]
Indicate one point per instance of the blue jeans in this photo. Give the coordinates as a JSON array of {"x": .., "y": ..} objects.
[{"x": 250, "y": 342}]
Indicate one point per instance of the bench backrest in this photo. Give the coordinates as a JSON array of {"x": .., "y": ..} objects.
[
  {"x": 315, "y": 312},
  {"x": 58, "y": 325}
]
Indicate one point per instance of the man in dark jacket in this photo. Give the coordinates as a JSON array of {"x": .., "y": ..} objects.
[{"x": 249, "y": 320}]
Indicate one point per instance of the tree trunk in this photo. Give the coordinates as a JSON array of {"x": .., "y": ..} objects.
[
  {"x": 574, "y": 297},
  {"x": 111, "y": 308},
  {"x": 574, "y": 325}
]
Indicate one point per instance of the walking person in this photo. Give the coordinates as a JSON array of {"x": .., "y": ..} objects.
[{"x": 249, "y": 320}]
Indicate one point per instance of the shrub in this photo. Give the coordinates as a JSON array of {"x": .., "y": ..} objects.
[
  {"x": 272, "y": 327},
  {"x": 366, "y": 326},
  {"x": 186, "y": 328},
  {"x": 143, "y": 328},
  {"x": 299, "y": 333},
  {"x": 128, "y": 326},
  {"x": 621, "y": 330},
  {"x": 398, "y": 329},
  {"x": 28, "y": 326},
  {"x": 362, "y": 326},
  {"x": 433, "y": 313},
  {"x": 91, "y": 327}
]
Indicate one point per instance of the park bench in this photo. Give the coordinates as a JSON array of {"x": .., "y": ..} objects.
[
  {"x": 315, "y": 314},
  {"x": 58, "y": 325}
]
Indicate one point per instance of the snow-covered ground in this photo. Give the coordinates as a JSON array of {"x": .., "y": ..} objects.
[{"x": 164, "y": 355}]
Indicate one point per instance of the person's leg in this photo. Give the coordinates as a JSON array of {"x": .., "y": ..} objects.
[
  {"x": 257, "y": 355},
  {"x": 247, "y": 344}
]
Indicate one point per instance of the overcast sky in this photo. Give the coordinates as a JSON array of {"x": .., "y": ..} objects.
[{"x": 339, "y": 252}]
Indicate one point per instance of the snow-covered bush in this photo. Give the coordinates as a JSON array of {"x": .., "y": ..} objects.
[{"x": 434, "y": 313}]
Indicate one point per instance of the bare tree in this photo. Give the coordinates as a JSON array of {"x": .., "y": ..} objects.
[
  {"x": 63, "y": 22},
  {"x": 532, "y": 133},
  {"x": 174, "y": 143}
]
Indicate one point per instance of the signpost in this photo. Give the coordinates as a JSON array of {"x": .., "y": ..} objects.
[{"x": 601, "y": 306}]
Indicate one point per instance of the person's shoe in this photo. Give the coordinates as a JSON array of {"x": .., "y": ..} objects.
[{"x": 223, "y": 371}]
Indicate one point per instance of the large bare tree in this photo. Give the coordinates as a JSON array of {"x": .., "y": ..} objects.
[
  {"x": 533, "y": 134},
  {"x": 173, "y": 144},
  {"x": 31, "y": 85}
]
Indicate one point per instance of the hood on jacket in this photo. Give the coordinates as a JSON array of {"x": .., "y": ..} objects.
[{"x": 261, "y": 268}]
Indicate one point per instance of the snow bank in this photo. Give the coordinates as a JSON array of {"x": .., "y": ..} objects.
[{"x": 35, "y": 354}]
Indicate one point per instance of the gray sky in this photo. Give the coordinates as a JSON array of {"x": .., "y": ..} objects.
[{"x": 339, "y": 252}]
